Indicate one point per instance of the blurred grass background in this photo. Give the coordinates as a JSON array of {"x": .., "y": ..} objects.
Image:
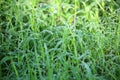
[{"x": 59, "y": 39}]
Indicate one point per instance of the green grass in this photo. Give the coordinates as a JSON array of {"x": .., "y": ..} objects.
[{"x": 59, "y": 40}]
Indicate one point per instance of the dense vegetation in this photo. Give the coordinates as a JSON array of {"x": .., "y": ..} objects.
[{"x": 59, "y": 39}]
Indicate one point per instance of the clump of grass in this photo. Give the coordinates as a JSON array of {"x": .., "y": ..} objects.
[{"x": 59, "y": 40}]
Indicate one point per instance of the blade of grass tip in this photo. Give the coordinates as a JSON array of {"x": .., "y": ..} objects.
[
  {"x": 49, "y": 63},
  {"x": 59, "y": 7},
  {"x": 14, "y": 68},
  {"x": 28, "y": 67},
  {"x": 88, "y": 71},
  {"x": 118, "y": 36},
  {"x": 112, "y": 75},
  {"x": 37, "y": 59},
  {"x": 101, "y": 6},
  {"x": 5, "y": 59},
  {"x": 75, "y": 14},
  {"x": 74, "y": 43}
]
